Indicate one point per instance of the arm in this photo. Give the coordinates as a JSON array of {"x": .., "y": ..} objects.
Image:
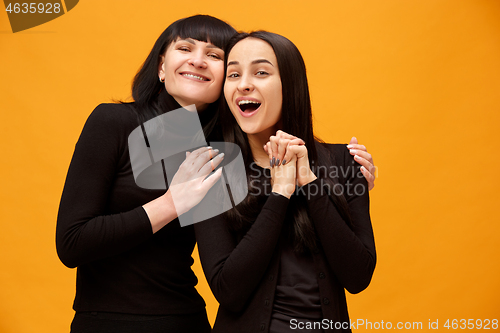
[
  {"x": 234, "y": 270},
  {"x": 84, "y": 233},
  {"x": 349, "y": 252}
]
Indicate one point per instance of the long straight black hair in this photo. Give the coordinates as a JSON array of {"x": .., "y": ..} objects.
[
  {"x": 296, "y": 119},
  {"x": 149, "y": 94}
]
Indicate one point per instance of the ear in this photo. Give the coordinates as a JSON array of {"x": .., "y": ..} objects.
[{"x": 161, "y": 68}]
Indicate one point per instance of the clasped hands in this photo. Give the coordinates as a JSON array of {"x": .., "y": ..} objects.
[{"x": 290, "y": 165}]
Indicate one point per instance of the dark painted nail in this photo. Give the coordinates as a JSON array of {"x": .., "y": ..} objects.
[
  {"x": 284, "y": 162},
  {"x": 274, "y": 161},
  {"x": 271, "y": 163},
  {"x": 278, "y": 161}
]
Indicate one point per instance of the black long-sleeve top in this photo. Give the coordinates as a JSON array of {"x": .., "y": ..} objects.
[
  {"x": 103, "y": 230},
  {"x": 242, "y": 271}
]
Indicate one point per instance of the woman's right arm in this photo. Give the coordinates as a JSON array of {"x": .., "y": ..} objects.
[
  {"x": 234, "y": 269},
  {"x": 84, "y": 231}
]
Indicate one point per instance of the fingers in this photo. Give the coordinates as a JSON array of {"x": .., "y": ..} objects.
[
  {"x": 211, "y": 180},
  {"x": 282, "y": 146},
  {"x": 277, "y": 147},
  {"x": 284, "y": 135},
  {"x": 269, "y": 153},
  {"x": 361, "y": 154},
  {"x": 198, "y": 158},
  {"x": 191, "y": 156},
  {"x": 274, "y": 149},
  {"x": 368, "y": 169},
  {"x": 211, "y": 165},
  {"x": 298, "y": 151},
  {"x": 369, "y": 177},
  {"x": 278, "y": 150},
  {"x": 356, "y": 146}
]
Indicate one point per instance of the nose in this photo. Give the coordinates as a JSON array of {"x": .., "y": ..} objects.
[
  {"x": 197, "y": 60},
  {"x": 245, "y": 84}
]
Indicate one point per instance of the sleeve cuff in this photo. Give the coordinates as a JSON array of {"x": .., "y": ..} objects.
[
  {"x": 314, "y": 190},
  {"x": 276, "y": 203}
]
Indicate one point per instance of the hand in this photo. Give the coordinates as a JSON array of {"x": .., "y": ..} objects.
[
  {"x": 283, "y": 177},
  {"x": 284, "y": 146},
  {"x": 277, "y": 147},
  {"x": 362, "y": 156},
  {"x": 190, "y": 183}
]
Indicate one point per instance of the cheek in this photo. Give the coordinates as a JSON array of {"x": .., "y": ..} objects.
[
  {"x": 218, "y": 72},
  {"x": 277, "y": 99},
  {"x": 227, "y": 93}
]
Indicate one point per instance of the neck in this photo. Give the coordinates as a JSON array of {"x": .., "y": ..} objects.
[{"x": 199, "y": 106}]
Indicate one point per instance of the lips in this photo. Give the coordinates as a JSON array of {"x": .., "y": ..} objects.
[
  {"x": 248, "y": 106},
  {"x": 195, "y": 76}
]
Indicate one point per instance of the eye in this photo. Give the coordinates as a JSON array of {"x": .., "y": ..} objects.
[
  {"x": 215, "y": 56},
  {"x": 183, "y": 48},
  {"x": 233, "y": 75},
  {"x": 261, "y": 73}
]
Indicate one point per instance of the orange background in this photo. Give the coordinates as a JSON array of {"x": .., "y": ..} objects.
[{"x": 417, "y": 81}]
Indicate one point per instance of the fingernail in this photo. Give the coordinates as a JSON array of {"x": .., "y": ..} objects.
[
  {"x": 353, "y": 151},
  {"x": 356, "y": 157},
  {"x": 209, "y": 147},
  {"x": 264, "y": 146},
  {"x": 271, "y": 163},
  {"x": 363, "y": 168},
  {"x": 284, "y": 162},
  {"x": 216, "y": 150},
  {"x": 349, "y": 146},
  {"x": 221, "y": 155},
  {"x": 274, "y": 161}
]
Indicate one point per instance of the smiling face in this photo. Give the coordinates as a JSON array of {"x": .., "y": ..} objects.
[
  {"x": 253, "y": 86},
  {"x": 193, "y": 72}
]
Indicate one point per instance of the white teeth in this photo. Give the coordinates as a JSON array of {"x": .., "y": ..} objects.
[
  {"x": 195, "y": 76},
  {"x": 247, "y": 102}
]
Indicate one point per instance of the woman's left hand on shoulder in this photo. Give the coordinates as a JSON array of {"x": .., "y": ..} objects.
[{"x": 364, "y": 158}]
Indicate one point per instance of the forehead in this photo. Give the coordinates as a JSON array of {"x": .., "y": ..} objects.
[
  {"x": 250, "y": 49},
  {"x": 196, "y": 42}
]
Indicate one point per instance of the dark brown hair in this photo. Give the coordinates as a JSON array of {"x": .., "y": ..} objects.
[
  {"x": 149, "y": 94},
  {"x": 296, "y": 119}
]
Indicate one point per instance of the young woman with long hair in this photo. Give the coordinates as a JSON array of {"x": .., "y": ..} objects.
[{"x": 282, "y": 258}]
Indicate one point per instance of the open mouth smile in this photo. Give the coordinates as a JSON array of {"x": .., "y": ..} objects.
[{"x": 248, "y": 106}]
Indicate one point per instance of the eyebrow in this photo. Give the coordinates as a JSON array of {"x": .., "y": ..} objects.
[
  {"x": 258, "y": 61},
  {"x": 191, "y": 41}
]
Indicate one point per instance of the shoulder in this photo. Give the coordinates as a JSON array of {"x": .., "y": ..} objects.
[
  {"x": 114, "y": 113},
  {"x": 336, "y": 151},
  {"x": 338, "y": 163},
  {"x": 112, "y": 118}
]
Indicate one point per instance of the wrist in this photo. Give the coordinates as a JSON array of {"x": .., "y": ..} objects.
[
  {"x": 308, "y": 179},
  {"x": 285, "y": 190}
]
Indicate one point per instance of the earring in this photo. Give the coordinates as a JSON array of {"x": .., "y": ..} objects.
[{"x": 162, "y": 81}]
